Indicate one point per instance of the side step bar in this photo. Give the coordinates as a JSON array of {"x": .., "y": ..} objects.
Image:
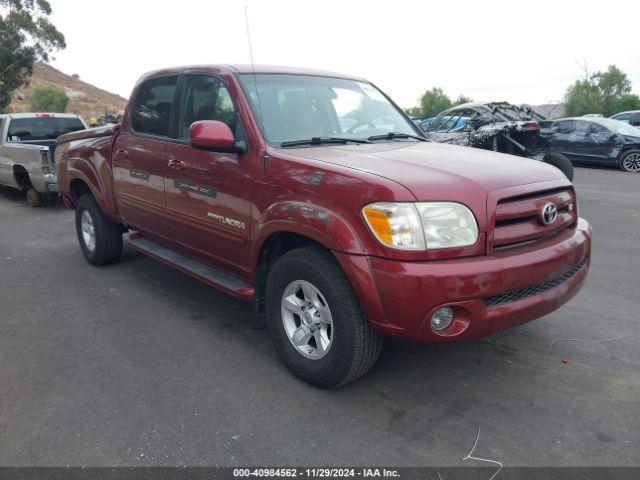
[{"x": 210, "y": 275}]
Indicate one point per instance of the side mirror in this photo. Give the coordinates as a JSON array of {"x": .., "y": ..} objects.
[{"x": 214, "y": 136}]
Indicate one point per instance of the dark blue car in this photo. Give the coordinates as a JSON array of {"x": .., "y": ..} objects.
[{"x": 597, "y": 141}]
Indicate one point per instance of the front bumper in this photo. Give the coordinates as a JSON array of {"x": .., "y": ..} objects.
[{"x": 488, "y": 293}]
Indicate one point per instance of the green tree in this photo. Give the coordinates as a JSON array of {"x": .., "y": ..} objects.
[
  {"x": 607, "y": 93},
  {"x": 462, "y": 99},
  {"x": 434, "y": 101},
  {"x": 414, "y": 112},
  {"x": 49, "y": 99},
  {"x": 26, "y": 36}
]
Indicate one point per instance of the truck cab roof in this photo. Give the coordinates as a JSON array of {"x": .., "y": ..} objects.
[{"x": 246, "y": 68}]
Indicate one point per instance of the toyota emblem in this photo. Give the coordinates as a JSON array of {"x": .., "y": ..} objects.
[{"x": 549, "y": 214}]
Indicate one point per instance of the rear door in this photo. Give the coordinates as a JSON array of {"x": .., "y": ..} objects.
[
  {"x": 208, "y": 193},
  {"x": 139, "y": 157},
  {"x": 563, "y": 138}
]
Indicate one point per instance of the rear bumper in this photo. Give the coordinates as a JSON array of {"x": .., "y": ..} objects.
[
  {"x": 400, "y": 297},
  {"x": 45, "y": 183}
]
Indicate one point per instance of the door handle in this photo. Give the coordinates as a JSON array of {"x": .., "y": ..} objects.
[
  {"x": 177, "y": 164},
  {"x": 121, "y": 153}
]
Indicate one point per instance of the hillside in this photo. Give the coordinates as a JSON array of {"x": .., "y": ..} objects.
[{"x": 85, "y": 99}]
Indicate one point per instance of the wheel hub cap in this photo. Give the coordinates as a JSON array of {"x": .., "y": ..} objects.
[
  {"x": 632, "y": 162},
  {"x": 306, "y": 319},
  {"x": 88, "y": 231}
]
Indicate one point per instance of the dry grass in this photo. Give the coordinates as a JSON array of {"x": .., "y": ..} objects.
[{"x": 84, "y": 99}]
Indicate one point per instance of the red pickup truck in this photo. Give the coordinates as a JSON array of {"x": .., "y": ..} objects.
[{"x": 314, "y": 196}]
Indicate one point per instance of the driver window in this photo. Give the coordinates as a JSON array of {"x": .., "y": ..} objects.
[
  {"x": 205, "y": 98},
  {"x": 598, "y": 130}
]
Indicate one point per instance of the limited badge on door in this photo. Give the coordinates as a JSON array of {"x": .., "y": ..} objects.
[{"x": 195, "y": 188}]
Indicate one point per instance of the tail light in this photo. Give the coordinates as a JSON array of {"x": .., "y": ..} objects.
[
  {"x": 46, "y": 162},
  {"x": 530, "y": 127}
]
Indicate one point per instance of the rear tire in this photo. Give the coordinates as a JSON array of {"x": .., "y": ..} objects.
[
  {"x": 561, "y": 162},
  {"x": 350, "y": 345},
  {"x": 100, "y": 239},
  {"x": 630, "y": 161},
  {"x": 34, "y": 198}
]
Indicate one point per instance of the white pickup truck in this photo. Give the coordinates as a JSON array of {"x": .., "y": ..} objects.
[{"x": 27, "y": 144}]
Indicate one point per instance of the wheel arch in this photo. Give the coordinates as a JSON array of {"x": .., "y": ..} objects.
[
  {"x": 274, "y": 246},
  {"x": 82, "y": 176},
  {"x": 21, "y": 177}
]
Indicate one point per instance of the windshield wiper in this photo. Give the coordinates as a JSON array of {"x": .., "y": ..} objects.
[
  {"x": 394, "y": 135},
  {"x": 323, "y": 140}
]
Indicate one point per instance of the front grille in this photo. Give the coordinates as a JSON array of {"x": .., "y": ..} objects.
[
  {"x": 518, "y": 219},
  {"x": 527, "y": 292}
]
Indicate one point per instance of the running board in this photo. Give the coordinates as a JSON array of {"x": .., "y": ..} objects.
[{"x": 210, "y": 275}]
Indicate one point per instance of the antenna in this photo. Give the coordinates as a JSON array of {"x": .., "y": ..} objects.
[{"x": 253, "y": 68}]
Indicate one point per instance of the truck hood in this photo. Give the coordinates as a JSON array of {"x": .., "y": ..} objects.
[{"x": 434, "y": 171}]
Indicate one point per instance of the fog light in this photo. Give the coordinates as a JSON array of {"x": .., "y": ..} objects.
[{"x": 442, "y": 318}]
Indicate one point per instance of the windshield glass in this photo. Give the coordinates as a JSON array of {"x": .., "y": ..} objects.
[
  {"x": 619, "y": 127},
  {"x": 41, "y": 128},
  {"x": 300, "y": 107}
]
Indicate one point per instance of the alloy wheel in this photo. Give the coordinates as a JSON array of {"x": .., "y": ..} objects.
[
  {"x": 631, "y": 162},
  {"x": 88, "y": 231},
  {"x": 307, "y": 320}
]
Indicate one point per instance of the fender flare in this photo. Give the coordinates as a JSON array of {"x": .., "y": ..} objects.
[
  {"x": 81, "y": 169},
  {"x": 333, "y": 232},
  {"x": 310, "y": 220}
]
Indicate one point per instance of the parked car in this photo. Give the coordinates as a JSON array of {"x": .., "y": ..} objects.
[
  {"x": 497, "y": 126},
  {"x": 27, "y": 146},
  {"x": 338, "y": 237},
  {"x": 632, "y": 117},
  {"x": 597, "y": 141},
  {"x": 424, "y": 123},
  {"x": 447, "y": 124}
]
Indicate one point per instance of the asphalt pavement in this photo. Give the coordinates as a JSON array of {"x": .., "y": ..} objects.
[{"x": 138, "y": 364}]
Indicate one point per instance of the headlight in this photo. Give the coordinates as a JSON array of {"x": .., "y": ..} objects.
[
  {"x": 396, "y": 225},
  {"x": 425, "y": 225},
  {"x": 447, "y": 225}
]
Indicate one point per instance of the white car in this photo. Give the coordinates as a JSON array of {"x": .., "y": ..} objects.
[{"x": 27, "y": 145}]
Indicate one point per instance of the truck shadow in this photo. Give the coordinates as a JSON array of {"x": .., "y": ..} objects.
[
  {"x": 405, "y": 376},
  {"x": 17, "y": 196}
]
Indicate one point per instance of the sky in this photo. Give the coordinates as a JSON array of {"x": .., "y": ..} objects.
[{"x": 518, "y": 51}]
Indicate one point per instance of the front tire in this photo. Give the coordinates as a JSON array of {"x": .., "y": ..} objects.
[
  {"x": 100, "y": 239},
  {"x": 316, "y": 321},
  {"x": 561, "y": 162},
  {"x": 630, "y": 161}
]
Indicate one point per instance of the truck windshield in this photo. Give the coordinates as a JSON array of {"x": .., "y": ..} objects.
[
  {"x": 293, "y": 108},
  {"x": 41, "y": 128}
]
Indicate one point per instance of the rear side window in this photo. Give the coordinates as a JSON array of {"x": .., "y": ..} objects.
[
  {"x": 566, "y": 126},
  {"x": 152, "y": 107}
]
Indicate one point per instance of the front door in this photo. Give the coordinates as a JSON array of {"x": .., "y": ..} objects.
[
  {"x": 207, "y": 193},
  {"x": 139, "y": 157},
  {"x": 598, "y": 143}
]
